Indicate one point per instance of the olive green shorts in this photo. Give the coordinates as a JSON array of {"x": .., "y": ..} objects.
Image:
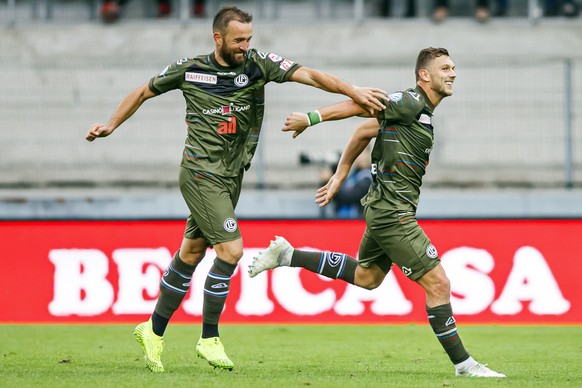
[
  {"x": 211, "y": 200},
  {"x": 393, "y": 237}
]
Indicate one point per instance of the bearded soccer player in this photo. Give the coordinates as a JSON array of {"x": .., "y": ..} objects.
[
  {"x": 404, "y": 139},
  {"x": 225, "y": 96}
]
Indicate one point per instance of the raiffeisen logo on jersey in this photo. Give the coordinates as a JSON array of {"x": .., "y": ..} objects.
[{"x": 201, "y": 78}]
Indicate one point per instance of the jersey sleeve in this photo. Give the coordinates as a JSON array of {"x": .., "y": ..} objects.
[
  {"x": 274, "y": 67},
  {"x": 402, "y": 107},
  {"x": 170, "y": 78}
]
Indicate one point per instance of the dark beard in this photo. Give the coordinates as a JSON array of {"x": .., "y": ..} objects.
[{"x": 229, "y": 58}]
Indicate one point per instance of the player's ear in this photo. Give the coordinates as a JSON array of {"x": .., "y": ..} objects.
[
  {"x": 423, "y": 74},
  {"x": 217, "y": 38}
]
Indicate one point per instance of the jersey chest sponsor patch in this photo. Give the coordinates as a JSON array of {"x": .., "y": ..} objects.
[{"x": 201, "y": 78}]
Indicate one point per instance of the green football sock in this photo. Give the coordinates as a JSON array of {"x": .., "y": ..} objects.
[
  {"x": 216, "y": 290},
  {"x": 174, "y": 285},
  {"x": 330, "y": 264},
  {"x": 443, "y": 324}
]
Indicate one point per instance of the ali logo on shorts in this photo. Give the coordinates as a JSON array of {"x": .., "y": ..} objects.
[
  {"x": 230, "y": 225},
  {"x": 431, "y": 251},
  {"x": 227, "y": 127}
]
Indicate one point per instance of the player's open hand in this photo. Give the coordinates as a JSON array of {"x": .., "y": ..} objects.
[
  {"x": 98, "y": 130},
  {"x": 371, "y": 99},
  {"x": 326, "y": 193},
  {"x": 296, "y": 122}
]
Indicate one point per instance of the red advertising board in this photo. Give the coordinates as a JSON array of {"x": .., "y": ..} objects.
[{"x": 501, "y": 271}]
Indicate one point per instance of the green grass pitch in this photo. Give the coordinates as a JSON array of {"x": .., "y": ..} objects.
[{"x": 288, "y": 356}]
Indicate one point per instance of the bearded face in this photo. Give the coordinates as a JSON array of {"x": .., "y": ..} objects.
[
  {"x": 233, "y": 44},
  {"x": 232, "y": 57}
]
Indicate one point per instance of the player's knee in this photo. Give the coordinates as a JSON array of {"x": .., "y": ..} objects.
[
  {"x": 192, "y": 251},
  {"x": 231, "y": 252},
  {"x": 192, "y": 257},
  {"x": 235, "y": 255},
  {"x": 370, "y": 285},
  {"x": 440, "y": 287},
  {"x": 368, "y": 279}
]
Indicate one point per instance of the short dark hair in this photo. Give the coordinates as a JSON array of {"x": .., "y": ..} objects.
[
  {"x": 426, "y": 55},
  {"x": 228, "y": 14}
]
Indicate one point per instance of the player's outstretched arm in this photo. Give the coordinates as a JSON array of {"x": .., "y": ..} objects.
[
  {"x": 126, "y": 108},
  {"x": 297, "y": 122},
  {"x": 356, "y": 145},
  {"x": 371, "y": 99}
]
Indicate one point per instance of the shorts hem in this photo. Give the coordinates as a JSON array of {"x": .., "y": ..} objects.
[{"x": 418, "y": 275}]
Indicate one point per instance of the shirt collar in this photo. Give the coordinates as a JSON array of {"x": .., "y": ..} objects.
[{"x": 429, "y": 104}]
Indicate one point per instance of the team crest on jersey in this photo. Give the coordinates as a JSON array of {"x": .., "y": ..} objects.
[
  {"x": 241, "y": 80},
  {"x": 395, "y": 97}
]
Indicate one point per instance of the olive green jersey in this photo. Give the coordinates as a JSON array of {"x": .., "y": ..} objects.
[
  {"x": 224, "y": 107},
  {"x": 401, "y": 151}
]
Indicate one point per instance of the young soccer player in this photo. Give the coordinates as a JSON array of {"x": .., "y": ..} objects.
[{"x": 404, "y": 139}]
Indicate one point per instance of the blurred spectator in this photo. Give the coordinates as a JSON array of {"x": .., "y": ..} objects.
[
  {"x": 386, "y": 8},
  {"x": 482, "y": 11},
  {"x": 111, "y": 9},
  {"x": 198, "y": 8},
  {"x": 347, "y": 200},
  {"x": 567, "y": 8}
]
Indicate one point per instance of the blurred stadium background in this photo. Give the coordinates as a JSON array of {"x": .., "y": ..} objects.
[{"x": 507, "y": 143}]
